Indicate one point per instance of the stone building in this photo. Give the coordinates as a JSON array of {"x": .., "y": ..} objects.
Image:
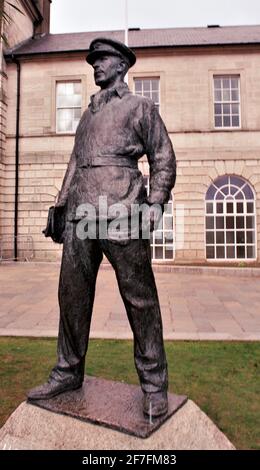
[{"x": 206, "y": 83}]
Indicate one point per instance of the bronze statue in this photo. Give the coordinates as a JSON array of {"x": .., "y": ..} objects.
[{"x": 116, "y": 130}]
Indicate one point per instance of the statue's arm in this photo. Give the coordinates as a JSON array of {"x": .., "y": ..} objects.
[
  {"x": 161, "y": 157},
  {"x": 63, "y": 194}
]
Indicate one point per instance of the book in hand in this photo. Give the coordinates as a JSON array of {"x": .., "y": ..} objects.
[{"x": 55, "y": 223}]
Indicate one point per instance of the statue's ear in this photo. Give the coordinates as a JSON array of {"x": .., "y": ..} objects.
[{"x": 122, "y": 67}]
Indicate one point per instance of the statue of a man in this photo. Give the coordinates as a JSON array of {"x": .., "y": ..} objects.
[{"x": 116, "y": 130}]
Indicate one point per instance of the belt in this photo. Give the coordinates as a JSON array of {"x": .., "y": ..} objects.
[{"x": 110, "y": 160}]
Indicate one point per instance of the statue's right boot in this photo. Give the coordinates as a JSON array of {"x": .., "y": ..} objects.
[{"x": 52, "y": 388}]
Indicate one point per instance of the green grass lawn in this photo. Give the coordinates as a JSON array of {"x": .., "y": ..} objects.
[{"x": 221, "y": 377}]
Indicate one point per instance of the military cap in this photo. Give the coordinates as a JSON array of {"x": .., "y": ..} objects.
[{"x": 101, "y": 46}]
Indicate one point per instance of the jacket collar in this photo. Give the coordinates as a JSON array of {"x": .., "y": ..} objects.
[{"x": 102, "y": 97}]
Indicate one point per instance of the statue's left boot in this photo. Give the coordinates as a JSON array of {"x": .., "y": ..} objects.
[
  {"x": 52, "y": 388},
  {"x": 155, "y": 404}
]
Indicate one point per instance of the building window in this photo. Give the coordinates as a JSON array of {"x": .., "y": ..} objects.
[
  {"x": 227, "y": 101},
  {"x": 148, "y": 87},
  {"x": 162, "y": 240},
  {"x": 68, "y": 106},
  {"x": 230, "y": 220}
]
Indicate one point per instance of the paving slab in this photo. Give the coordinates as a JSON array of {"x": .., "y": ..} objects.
[{"x": 222, "y": 304}]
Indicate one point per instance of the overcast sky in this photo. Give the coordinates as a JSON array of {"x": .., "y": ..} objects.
[{"x": 102, "y": 15}]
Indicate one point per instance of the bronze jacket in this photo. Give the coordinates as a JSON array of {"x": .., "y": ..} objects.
[{"x": 122, "y": 125}]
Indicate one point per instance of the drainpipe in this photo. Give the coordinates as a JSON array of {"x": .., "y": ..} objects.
[{"x": 17, "y": 134}]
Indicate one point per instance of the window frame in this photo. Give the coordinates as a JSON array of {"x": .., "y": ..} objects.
[
  {"x": 243, "y": 98},
  {"x": 66, "y": 107},
  {"x": 153, "y": 244},
  {"x": 235, "y": 229},
  {"x": 230, "y": 102},
  {"x": 159, "y": 88},
  {"x": 155, "y": 74},
  {"x": 64, "y": 79}
]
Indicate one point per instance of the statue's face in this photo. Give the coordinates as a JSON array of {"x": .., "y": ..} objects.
[{"x": 107, "y": 68}]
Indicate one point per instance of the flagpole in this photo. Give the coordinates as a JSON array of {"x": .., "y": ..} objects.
[
  {"x": 126, "y": 22},
  {"x": 126, "y": 32}
]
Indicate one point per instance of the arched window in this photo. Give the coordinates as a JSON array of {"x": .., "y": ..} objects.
[
  {"x": 230, "y": 220},
  {"x": 162, "y": 240}
]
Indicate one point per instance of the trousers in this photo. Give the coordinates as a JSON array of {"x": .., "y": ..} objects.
[{"x": 132, "y": 264}]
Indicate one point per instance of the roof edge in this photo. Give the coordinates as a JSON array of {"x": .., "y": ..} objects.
[{"x": 12, "y": 54}]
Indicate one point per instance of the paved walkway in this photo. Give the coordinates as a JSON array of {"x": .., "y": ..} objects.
[{"x": 194, "y": 306}]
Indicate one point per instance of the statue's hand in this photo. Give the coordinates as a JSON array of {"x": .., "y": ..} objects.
[{"x": 151, "y": 217}]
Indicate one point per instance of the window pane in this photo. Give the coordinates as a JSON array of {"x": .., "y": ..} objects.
[
  {"x": 235, "y": 121},
  {"x": 230, "y": 207},
  {"x": 226, "y": 83},
  {"x": 235, "y": 95},
  {"x": 240, "y": 207},
  {"x": 209, "y": 208},
  {"x": 217, "y": 95},
  {"x": 64, "y": 126},
  {"x": 168, "y": 208},
  {"x": 240, "y": 195},
  {"x": 226, "y": 121},
  {"x": 240, "y": 222},
  {"x": 220, "y": 252},
  {"x": 220, "y": 238},
  {"x": 218, "y": 121},
  {"x": 230, "y": 237},
  {"x": 77, "y": 88},
  {"x": 158, "y": 252},
  {"x": 168, "y": 236},
  {"x": 250, "y": 237},
  {"x": 158, "y": 237},
  {"x": 220, "y": 208},
  {"x": 168, "y": 223},
  {"x": 250, "y": 222},
  {"x": 219, "y": 222},
  {"x": 235, "y": 109},
  {"x": 250, "y": 207},
  {"x": 248, "y": 192},
  {"x": 210, "y": 223},
  {"x": 210, "y": 239},
  {"x": 240, "y": 236},
  {"x": 234, "y": 82},
  {"x": 241, "y": 252},
  {"x": 219, "y": 195},
  {"x": 155, "y": 84},
  {"x": 155, "y": 96},
  {"x": 146, "y": 85},
  {"x": 218, "y": 109},
  {"x": 226, "y": 109},
  {"x": 226, "y": 95},
  {"x": 210, "y": 252},
  {"x": 230, "y": 222},
  {"x": 217, "y": 82},
  {"x": 230, "y": 252},
  {"x": 250, "y": 252},
  {"x": 77, "y": 113},
  {"x": 211, "y": 192}
]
